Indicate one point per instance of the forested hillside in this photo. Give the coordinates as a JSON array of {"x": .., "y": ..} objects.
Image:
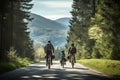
[
  {"x": 43, "y": 29},
  {"x": 95, "y": 28},
  {"x": 64, "y": 20}
]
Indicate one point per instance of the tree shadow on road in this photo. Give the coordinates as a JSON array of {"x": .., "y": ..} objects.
[
  {"x": 66, "y": 67},
  {"x": 62, "y": 74},
  {"x": 40, "y": 72}
]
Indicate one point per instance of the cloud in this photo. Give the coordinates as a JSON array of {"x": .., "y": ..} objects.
[
  {"x": 52, "y": 9},
  {"x": 57, "y": 4}
]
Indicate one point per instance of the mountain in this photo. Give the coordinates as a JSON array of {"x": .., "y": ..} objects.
[
  {"x": 64, "y": 20},
  {"x": 43, "y": 29}
]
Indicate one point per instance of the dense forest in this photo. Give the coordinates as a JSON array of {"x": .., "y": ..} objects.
[
  {"x": 14, "y": 34},
  {"x": 95, "y": 29}
]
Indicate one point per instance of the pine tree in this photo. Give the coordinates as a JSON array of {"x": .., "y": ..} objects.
[
  {"x": 13, "y": 28},
  {"x": 22, "y": 41},
  {"x": 81, "y": 13},
  {"x": 5, "y": 28},
  {"x": 106, "y": 26}
]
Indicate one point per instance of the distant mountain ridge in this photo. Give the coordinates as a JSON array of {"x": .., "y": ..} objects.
[
  {"x": 64, "y": 20},
  {"x": 44, "y": 22},
  {"x": 43, "y": 29}
]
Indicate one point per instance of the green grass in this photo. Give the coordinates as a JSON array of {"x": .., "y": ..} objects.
[
  {"x": 14, "y": 61},
  {"x": 9, "y": 66},
  {"x": 110, "y": 67},
  {"x": 5, "y": 67}
]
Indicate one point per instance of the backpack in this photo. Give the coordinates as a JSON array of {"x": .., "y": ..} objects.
[
  {"x": 49, "y": 47},
  {"x": 72, "y": 50}
]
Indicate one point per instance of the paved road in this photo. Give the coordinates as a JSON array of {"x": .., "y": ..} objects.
[{"x": 39, "y": 71}]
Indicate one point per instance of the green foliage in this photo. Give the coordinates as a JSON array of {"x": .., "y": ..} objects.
[
  {"x": 79, "y": 25},
  {"x": 5, "y": 67},
  {"x": 96, "y": 54},
  {"x": 23, "y": 61},
  {"x": 22, "y": 42},
  {"x": 12, "y": 54},
  {"x": 111, "y": 67},
  {"x": 39, "y": 54},
  {"x": 14, "y": 61},
  {"x": 95, "y": 33},
  {"x": 103, "y": 30},
  {"x": 9, "y": 66},
  {"x": 102, "y": 39},
  {"x": 13, "y": 27}
]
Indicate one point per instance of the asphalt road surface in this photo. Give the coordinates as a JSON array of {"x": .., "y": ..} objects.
[{"x": 39, "y": 71}]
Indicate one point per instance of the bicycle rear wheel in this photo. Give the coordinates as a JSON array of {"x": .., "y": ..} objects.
[
  {"x": 72, "y": 61},
  {"x": 49, "y": 62},
  {"x": 62, "y": 63}
]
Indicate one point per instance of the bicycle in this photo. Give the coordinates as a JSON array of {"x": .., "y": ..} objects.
[
  {"x": 72, "y": 61},
  {"x": 62, "y": 62},
  {"x": 49, "y": 62}
]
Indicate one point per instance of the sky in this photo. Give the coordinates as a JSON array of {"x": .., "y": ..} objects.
[{"x": 52, "y": 9}]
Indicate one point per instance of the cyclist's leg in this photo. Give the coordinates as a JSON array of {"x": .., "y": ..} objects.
[
  {"x": 74, "y": 58},
  {"x": 60, "y": 60},
  {"x": 46, "y": 58},
  {"x": 51, "y": 57},
  {"x": 64, "y": 60},
  {"x": 70, "y": 57}
]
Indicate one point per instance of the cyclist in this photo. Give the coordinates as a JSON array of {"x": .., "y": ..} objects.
[
  {"x": 62, "y": 57},
  {"x": 49, "y": 50},
  {"x": 72, "y": 52}
]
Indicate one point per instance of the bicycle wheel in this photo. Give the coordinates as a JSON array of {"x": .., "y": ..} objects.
[
  {"x": 72, "y": 61},
  {"x": 62, "y": 63},
  {"x": 49, "y": 62}
]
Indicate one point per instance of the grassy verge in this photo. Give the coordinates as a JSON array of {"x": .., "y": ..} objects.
[
  {"x": 110, "y": 67},
  {"x": 13, "y": 61},
  {"x": 9, "y": 66}
]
